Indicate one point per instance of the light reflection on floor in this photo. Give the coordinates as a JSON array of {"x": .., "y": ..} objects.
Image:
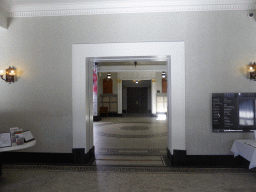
[{"x": 139, "y": 139}]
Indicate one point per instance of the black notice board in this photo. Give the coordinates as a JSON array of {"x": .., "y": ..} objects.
[{"x": 224, "y": 111}]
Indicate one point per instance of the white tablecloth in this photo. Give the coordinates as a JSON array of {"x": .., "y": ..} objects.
[
  {"x": 247, "y": 149},
  {"x": 18, "y": 147}
]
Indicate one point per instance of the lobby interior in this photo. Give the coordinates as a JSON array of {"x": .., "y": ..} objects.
[
  {"x": 126, "y": 103},
  {"x": 209, "y": 45}
]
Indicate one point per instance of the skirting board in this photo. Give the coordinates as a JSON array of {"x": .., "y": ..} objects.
[
  {"x": 96, "y": 118},
  {"x": 80, "y": 158},
  {"x": 179, "y": 158},
  {"x": 47, "y": 158}
]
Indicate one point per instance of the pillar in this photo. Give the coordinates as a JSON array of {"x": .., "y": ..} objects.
[
  {"x": 153, "y": 95},
  {"x": 119, "y": 97}
]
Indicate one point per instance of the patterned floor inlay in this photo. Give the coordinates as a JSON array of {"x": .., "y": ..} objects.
[
  {"x": 130, "y": 151},
  {"x": 136, "y": 161},
  {"x": 134, "y": 128},
  {"x": 129, "y": 169},
  {"x": 132, "y": 136},
  {"x": 123, "y": 130}
]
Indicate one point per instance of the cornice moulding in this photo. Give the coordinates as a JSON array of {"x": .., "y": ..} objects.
[{"x": 119, "y": 7}]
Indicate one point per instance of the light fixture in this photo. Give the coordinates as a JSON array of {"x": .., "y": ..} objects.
[
  {"x": 163, "y": 75},
  {"x": 109, "y": 76},
  {"x": 252, "y": 72},
  {"x": 10, "y": 75},
  {"x": 136, "y": 81}
]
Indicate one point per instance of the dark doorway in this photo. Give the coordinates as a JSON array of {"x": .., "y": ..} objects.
[{"x": 137, "y": 99}]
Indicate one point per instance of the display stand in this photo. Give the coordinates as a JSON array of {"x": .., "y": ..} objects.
[{"x": 16, "y": 147}]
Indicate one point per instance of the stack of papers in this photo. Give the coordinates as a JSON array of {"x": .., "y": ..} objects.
[{"x": 5, "y": 140}]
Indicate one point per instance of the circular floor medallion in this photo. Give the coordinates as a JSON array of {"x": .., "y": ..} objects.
[
  {"x": 131, "y": 136},
  {"x": 111, "y": 130},
  {"x": 134, "y": 128}
]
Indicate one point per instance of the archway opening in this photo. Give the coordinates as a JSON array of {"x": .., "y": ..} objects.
[
  {"x": 133, "y": 135},
  {"x": 82, "y": 108}
]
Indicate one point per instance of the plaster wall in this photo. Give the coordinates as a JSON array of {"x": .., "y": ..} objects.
[
  {"x": 218, "y": 45},
  {"x": 159, "y": 82},
  {"x": 3, "y": 19}
]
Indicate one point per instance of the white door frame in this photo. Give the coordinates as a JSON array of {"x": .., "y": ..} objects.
[{"x": 82, "y": 113}]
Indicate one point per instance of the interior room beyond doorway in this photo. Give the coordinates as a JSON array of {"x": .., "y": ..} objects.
[
  {"x": 136, "y": 96},
  {"x": 136, "y": 138},
  {"x": 83, "y": 54}
]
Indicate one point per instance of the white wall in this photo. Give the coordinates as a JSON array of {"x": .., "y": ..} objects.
[
  {"x": 159, "y": 82},
  {"x": 218, "y": 47},
  {"x": 3, "y": 19}
]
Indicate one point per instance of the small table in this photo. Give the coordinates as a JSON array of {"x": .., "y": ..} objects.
[
  {"x": 246, "y": 149},
  {"x": 16, "y": 147}
]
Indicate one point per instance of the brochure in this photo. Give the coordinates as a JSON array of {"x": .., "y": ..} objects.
[
  {"x": 12, "y": 131},
  {"x": 19, "y": 137},
  {"x": 28, "y": 136},
  {"x": 5, "y": 140}
]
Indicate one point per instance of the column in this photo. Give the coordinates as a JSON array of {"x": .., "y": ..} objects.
[
  {"x": 119, "y": 96},
  {"x": 153, "y": 95}
]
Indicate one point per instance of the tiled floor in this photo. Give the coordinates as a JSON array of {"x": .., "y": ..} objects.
[
  {"x": 130, "y": 160},
  {"x": 133, "y": 140},
  {"x": 38, "y": 179},
  {"x": 133, "y": 148}
]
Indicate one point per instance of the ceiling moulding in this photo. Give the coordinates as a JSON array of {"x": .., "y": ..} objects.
[
  {"x": 159, "y": 68},
  {"x": 118, "y": 7}
]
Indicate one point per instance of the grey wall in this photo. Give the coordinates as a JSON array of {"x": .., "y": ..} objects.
[
  {"x": 218, "y": 47},
  {"x": 3, "y": 19}
]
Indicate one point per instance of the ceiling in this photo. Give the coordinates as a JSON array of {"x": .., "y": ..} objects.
[
  {"x": 27, "y": 2},
  {"x": 132, "y": 63},
  {"x": 39, "y": 8},
  {"x": 141, "y": 83}
]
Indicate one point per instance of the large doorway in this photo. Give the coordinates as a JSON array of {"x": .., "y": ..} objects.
[
  {"x": 82, "y": 110},
  {"x": 137, "y": 99},
  {"x": 136, "y": 137}
]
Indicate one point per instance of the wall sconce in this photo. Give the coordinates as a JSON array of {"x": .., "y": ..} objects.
[
  {"x": 136, "y": 81},
  {"x": 252, "y": 72},
  {"x": 10, "y": 75},
  {"x": 109, "y": 76},
  {"x": 163, "y": 75}
]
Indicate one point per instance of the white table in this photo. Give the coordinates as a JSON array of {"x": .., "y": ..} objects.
[
  {"x": 246, "y": 149},
  {"x": 18, "y": 147}
]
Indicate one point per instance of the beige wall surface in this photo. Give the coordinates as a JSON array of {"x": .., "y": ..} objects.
[
  {"x": 3, "y": 19},
  {"x": 218, "y": 46}
]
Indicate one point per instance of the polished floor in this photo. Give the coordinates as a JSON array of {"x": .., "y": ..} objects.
[
  {"x": 40, "y": 179},
  {"x": 130, "y": 156},
  {"x": 134, "y": 140}
]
